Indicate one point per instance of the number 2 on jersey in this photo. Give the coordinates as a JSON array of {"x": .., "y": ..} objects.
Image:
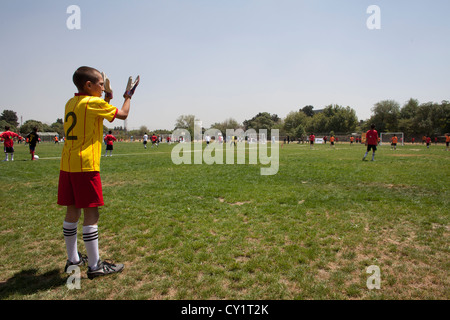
[{"x": 74, "y": 122}]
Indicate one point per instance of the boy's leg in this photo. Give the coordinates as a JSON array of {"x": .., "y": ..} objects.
[
  {"x": 70, "y": 232},
  {"x": 365, "y": 155},
  {"x": 90, "y": 235},
  {"x": 12, "y": 156},
  {"x": 6, "y": 156}
]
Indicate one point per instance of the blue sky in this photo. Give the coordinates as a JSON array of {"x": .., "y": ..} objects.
[{"x": 218, "y": 59}]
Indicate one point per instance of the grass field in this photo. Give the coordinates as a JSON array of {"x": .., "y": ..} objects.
[{"x": 227, "y": 232}]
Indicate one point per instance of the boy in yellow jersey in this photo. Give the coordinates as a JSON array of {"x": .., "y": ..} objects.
[{"x": 80, "y": 185}]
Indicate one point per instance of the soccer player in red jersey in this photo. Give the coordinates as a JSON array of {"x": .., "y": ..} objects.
[
  {"x": 8, "y": 142},
  {"x": 109, "y": 138},
  {"x": 312, "y": 138},
  {"x": 428, "y": 140},
  {"x": 371, "y": 142}
]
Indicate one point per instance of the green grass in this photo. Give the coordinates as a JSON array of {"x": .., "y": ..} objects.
[{"x": 226, "y": 232}]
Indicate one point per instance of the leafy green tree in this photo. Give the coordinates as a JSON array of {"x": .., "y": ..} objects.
[
  {"x": 186, "y": 122},
  {"x": 292, "y": 122},
  {"x": 318, "y": 123},
  {"x": 308, "y": 110},
  {"x": 28, "y": 126},
  {"x": 262, "y": 120},
  {"x": 229, "y": 123},
  {"x": 3, "y": 124},
  {"x": 299, "y": 132},
  {"x": 386, "y": 115},
  {"x": 339, "y": 119},
  {"x": 10, "y": 117},
  {"x": 57, "y": 127},
  {"x": 409, "y": 109}
]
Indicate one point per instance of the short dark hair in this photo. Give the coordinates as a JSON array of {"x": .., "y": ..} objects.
[
  {"x": 83, "y": 75},
  {"x": 372, "y": 126},
  {"x": 7, "y": 128},
  {"x": 109, "y": 131}
]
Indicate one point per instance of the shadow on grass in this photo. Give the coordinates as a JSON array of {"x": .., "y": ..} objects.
[{"x": 28, "y": 282}]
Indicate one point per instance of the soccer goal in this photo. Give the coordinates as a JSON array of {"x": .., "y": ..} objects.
[{"x": 386, "y": 138}]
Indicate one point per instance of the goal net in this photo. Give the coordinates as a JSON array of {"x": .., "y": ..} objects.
[{"x": 386, "y": 138}]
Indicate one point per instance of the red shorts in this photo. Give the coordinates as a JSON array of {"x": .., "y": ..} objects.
[{"x": 82, "y": 189}]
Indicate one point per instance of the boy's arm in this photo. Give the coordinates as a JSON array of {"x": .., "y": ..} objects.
[{"x": 122, "y": 114}]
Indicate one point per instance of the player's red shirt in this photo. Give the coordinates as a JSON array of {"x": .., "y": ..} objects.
[
  {"x": 372, "y": 137},
  {"x": 428, "y": 139},
  {"x": 110, "y": 139},
  {"x": 312, "y": 137},
  {"x": 8, "y": 137}
]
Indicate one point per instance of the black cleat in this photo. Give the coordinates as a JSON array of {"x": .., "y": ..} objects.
[
  {"x": 83, "y": 261},
  {"x": 104, "y": 268}
]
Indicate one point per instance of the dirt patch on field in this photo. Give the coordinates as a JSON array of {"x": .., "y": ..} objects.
[
  {"x": 407, "y": 155},
  {"x": 238, "y": 203}
]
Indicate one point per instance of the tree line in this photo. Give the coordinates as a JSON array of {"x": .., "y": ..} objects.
[
  {"x": 9, "y": 118},
  {"x": 412, "y": 118}
]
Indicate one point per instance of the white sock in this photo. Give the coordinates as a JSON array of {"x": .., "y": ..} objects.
[
  {"x": 12, "y": 156},
  {"x": 6, "y": 157},
  {"x": 70, "y": 237},
  {"x": 90, "y": 237},
  {"x": 373, "y": 156}
]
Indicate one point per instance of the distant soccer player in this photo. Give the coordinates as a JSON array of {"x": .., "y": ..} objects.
[
  {"x": 33, "y": 139},
  {"x": 80, "y": 186},
  {"x": 332, "y": 139},
  {"x": 371, "y": 142},
  {"x": 447, "y": 141},
  {"x": 312, "y": 137},
  {"x": 154, "y": 140},
  {"x": 428, "y": 141},
  {"x": 145, "y": 137},
  {"x": 394, "y": 141},
  {"x": 109, "y": 139},
  {"x": 8, "y": 142}
]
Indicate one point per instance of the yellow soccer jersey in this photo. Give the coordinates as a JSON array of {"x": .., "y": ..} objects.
[{"x": 83, "y": 128}]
